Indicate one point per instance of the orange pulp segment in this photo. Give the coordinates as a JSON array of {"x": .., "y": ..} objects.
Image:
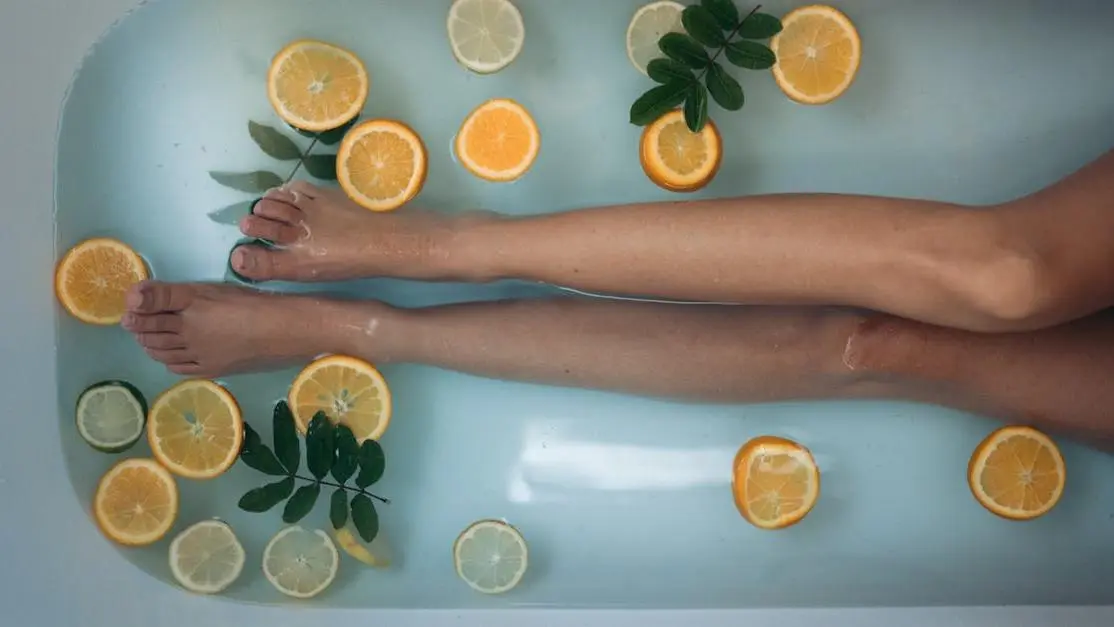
[
  {"x": 381, "y": 164},
  {"x": 818, "y": 53},
  {"x": 349, "y": 390},
  {"x": 1017, "y": 473},
  {"x": 776, "y": 482},
  {"x": 499, "y": 141},
  {"x": 316, "y": 86},
  {"x": 196, "y": 429},
  {"x": 93, "y": 277},
  {"x": 675, "y": 158},
  {"x": 136, "y": 502}
]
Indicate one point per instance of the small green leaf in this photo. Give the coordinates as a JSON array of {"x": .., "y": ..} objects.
[
  {"x": 320, "y": 449},
  {"x": 322, "y": 167},
  {"x": 232, "y": 214},
  {"x": 685, "y": 49},
  {"x": 262, "y": 499},
  {"x": 301, "y": 503},
  {"x": 703, "y": 26},
  {"x": 288, "y": 447},
  {"x": 372, "y": 464},
  {"x": 348, "y": 454},
  {"x": 256, "y": 455},
  {"x": 750, "y": 55},
  {"x": 338, "y": 508},
  {"x": 364, "y": 517},
  {"x": 725, "y": 90},
  {"x": 666, "y": 70},
  {"x": 333, "y": 137},
  {"x": 274, "y": 143},
  {"x": 696, "y": 108},
  {"x": 724, "y": 11},
  {"x": 760, "y": 26},
  {"x": 251, "y": 182},
  {"x": 657, "y": 102}
]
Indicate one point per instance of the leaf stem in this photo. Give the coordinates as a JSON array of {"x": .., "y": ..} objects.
[
  {"x": 735, "y": 32},
  {"x": 313, "y": 144},
  {"x": 344, "y": 487}
]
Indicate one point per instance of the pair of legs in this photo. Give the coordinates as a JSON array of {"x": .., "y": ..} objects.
[{"x": 1025, "y": 341}]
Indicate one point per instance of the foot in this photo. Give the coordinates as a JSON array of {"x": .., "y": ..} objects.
[
  {"x": 321, "y": 235},
  {"x": 209, "y": 330}
]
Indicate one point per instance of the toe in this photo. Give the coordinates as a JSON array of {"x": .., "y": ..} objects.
[
  {"x": 150, "y": 297},
  {"x": 261, "y": 264},
  {"x": 278, "y": 211},
  {"x": 161, "y": 341},
  {"x": 152, "y": 323},
  {"x": 270, "y": 230},
  {"x": 187, "y": 369},
  {"x": 170, "y": 356},
  {"x": 302, "y": 190}
]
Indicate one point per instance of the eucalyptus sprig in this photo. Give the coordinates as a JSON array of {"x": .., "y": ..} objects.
[
  {"x": 713, "y": 24},
  {"x": 330, "y": 449},
  {"x": 280, "y": 147}
]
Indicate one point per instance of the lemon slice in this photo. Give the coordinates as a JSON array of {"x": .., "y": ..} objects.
[
  {"x": 316, "y": 86},
  {"x": 111, "y": 416},
  {"x": 485, "y": 35},
  {"x": 646, "y": 28},
  {"x": 195, "y": 429},
  {"x": 776, "y": 482},
  {"x": 1017, "y": 473},
  {"x": 136, "y": 502},
  {"x": 350, "y": 391},
  {"x": 207, "y": 557},
  {"x": 491, "y": 556},
  {"x": 300, "y": 563},
  {"x": 93, "y": 277},
  {"x": 376, "y": 553}
]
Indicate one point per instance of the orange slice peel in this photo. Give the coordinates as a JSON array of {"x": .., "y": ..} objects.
[
  {"x": 93, "y": 278},
  {"x": 1017, "y": 473},
  {"x": 136, "y": 502},
  {"x": 499, "y": 141},
  {"x": 350, "y": 391},
  {"x": 818, "y": 54},
  {"x": 675, "y": 158},
  {"x": 382, "y": 164},
  {"x": 316, "y": 86},
  {"x": 776, "y": 482},
  {"x": 195, "y": 429}
]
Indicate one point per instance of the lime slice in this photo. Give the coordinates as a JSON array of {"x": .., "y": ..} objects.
[
  {"x": 300, "y": 563},
  {"x": 647, "y": 27},
  {"x": 111, "y": 416},
  {"x": 485, "y": 35},
  {"x": 490, "y": 556},
  {"x": 206, "y": 558},
  {"x": 376, "y": 553}
]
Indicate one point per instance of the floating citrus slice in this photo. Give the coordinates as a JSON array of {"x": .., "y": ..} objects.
[
  {"x": 376, "y": 553},
  {"x": 818, "y": 53},
  {"x": 195, "y": 429},
  {"x": 1017, "y": 473},
  {"x": 350, "y": 391},
  {"x": 111, "y": 416},
  {"x": 381, "y": 164},
  {"x": 316, "y": 86},
  {"x": 485, "y": 35},
  {"x": 491, "y": 556},
  {"x": 207, "y": 557},
  {"x": 675, "y": 158},
  {"x": 301, "y": 563},
  {"x": 136, "y": 502},
  {"x": 646, "y": 28},
  {"x": 776, "y": 482},
  {"x": 499, "y": 141},
  {"x": 93, "y": 277}
]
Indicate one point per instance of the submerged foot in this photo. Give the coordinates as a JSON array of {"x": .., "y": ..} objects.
[
  {"x": 209, "y": 330},
  {"x": 321, "y": 235}
]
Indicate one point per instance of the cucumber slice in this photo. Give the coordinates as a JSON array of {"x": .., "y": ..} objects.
[{"x": 111, "y": 416}]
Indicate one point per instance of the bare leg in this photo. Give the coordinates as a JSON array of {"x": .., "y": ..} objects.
[{"x": 1055, "y": 379}]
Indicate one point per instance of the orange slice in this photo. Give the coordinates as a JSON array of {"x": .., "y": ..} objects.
[
  {"x": 93, "y": 277},
  {"x": 818, "y": 53},
  {"x": 499, "y": 141},
  {"x": 136, "y": 502},
  {"x": 349, "y": 390},
  {"x": 1017, "y": 473},
  {"x": 677, "y": 159},
  {"x": 315, "y": 86},
  {"x": 195, "y": 429},
  {"x": 381, "y": 164},
  {"x": 776, "y": 482}
]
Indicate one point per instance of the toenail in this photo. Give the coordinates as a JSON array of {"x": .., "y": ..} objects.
[{"x": 243, "y": 259}]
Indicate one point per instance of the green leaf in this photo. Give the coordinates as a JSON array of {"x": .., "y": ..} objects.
[
  {"x": 725, "y": 90},
  {"x": 274, "y": 143},
  {"x": 348, "y": 454},
  {"x": 685, "y": 49},
  {"x": 724, "y": 11},
  {"x": 256, "y": 455},
  {"x": 288, "y": 447},
  {"x": 232, "y": 214},
  {"x": 657, "y": 102},
  {"x": 301, "y": 503},
  {"x": 666, "y": 70},
  {"x": 760, "y": 26},
  {"x": 262, "y": 499},
  {"x": 703, "y": 26},
  {"x": 364, "y": 517},
  {"x": 320, "y": 449},
  {"x": 373, "y": 462},
  {"x": 338, "y": 508},
  {"x": 323, "y": 167},
  {"x": 750, "y": 55},
  {"x": 251, "y": 182},
  {"x": 333, "y": 137},
  {"x": 696, "y": 108}
]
